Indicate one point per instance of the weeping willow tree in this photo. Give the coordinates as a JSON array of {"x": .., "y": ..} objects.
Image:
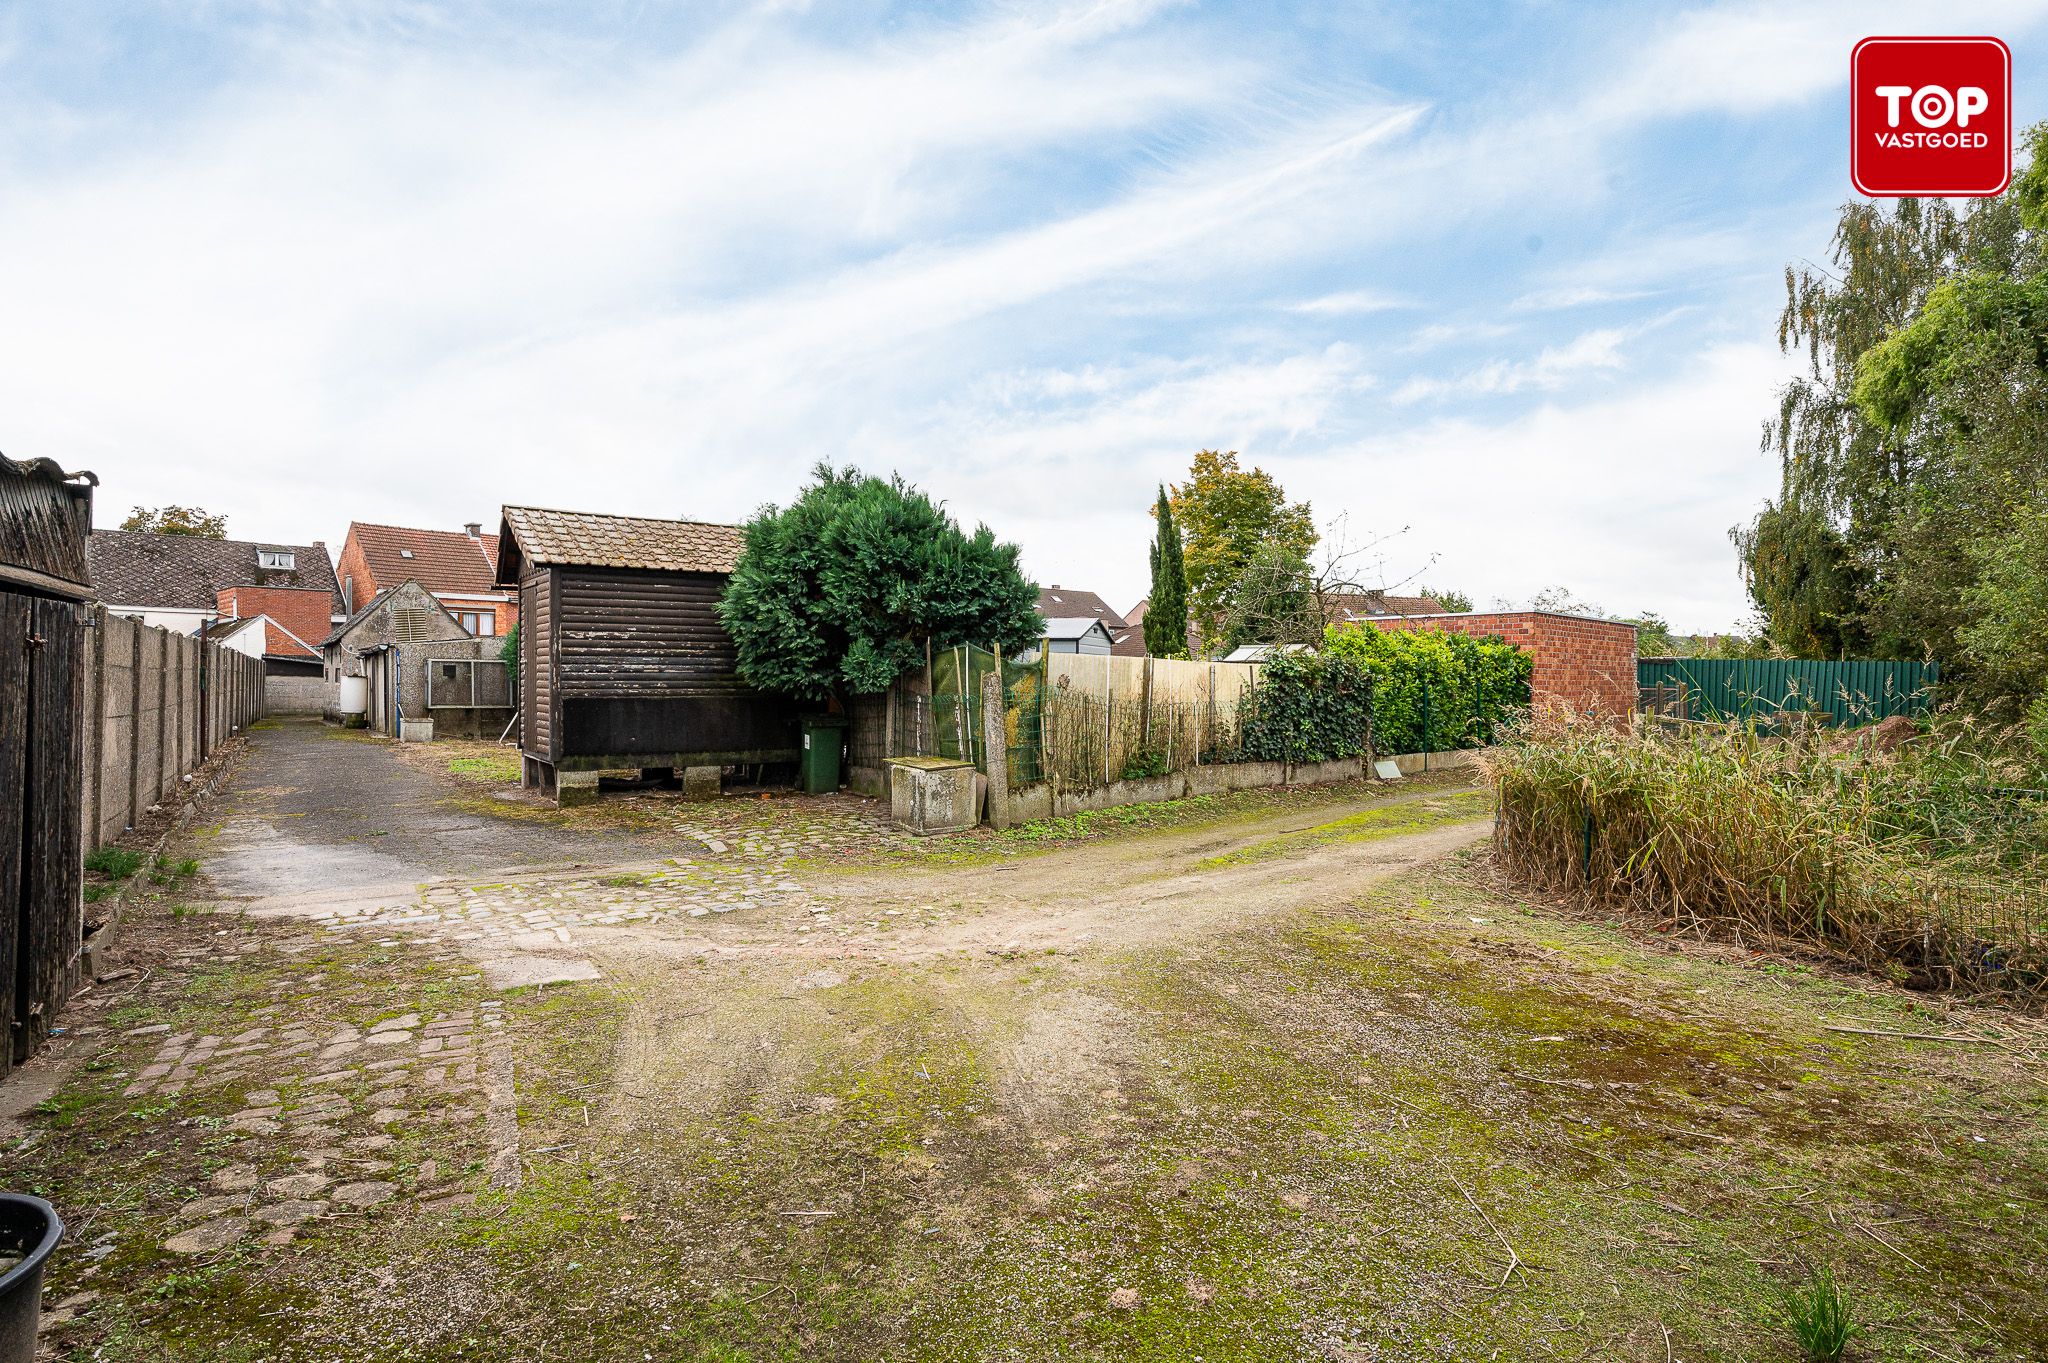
[{"x": 1913, "y": 447}]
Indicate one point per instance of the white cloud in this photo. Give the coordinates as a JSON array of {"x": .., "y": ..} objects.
[
  {"x": 1572, "y": 296},
  {"x": 1551, "y": 368},
  {"x": 1626, "y": 498},
  {"x": 1353, "y": 303}
]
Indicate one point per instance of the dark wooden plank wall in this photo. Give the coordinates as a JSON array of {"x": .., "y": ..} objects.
[
  {"x": 15, "y": 801},
  {"x": 52, "y": 869},
  {"x": 42, "y": 789},
  {"x": 644, "y": 636},
  {"x": 537, "y": 665}
]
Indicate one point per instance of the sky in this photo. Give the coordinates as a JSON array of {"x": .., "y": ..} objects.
[{"x": 1492, "y": 287}]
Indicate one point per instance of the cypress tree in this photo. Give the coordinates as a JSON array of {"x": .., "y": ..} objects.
[{"x": 1166, "y": 613}]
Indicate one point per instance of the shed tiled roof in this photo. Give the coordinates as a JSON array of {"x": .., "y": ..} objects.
[
  {"x": 591, "y": 539},
  {"x": 188, "y": 572},
  {"x": 439, "y": 560}
]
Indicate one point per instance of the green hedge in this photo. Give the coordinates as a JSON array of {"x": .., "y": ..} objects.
[
  {"x": 1309, "y": 707},
  {"x": 1433, "y": 690},
  {"x": 1419, "y": 691}
]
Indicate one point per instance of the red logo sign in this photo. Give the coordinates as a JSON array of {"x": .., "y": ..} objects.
[{"x": 1930, "y": 117}]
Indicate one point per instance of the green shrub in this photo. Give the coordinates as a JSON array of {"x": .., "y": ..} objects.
[{"x": 1307, "y": 707}]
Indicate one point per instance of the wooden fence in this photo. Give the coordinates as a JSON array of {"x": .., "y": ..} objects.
[{"x": 141, "y": 727}]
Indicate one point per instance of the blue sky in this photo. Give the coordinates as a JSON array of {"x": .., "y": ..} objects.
[{"x": 1492, "y": 285}]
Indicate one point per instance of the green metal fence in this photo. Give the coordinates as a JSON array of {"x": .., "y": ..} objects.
[{"x": 1848, "y": 693}]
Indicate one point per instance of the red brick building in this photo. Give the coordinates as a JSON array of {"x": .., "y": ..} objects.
[
  {"x": 307, "y": 613},
  {"x": 1585, "y": 664},
  {"x": 459, "y": 568}
]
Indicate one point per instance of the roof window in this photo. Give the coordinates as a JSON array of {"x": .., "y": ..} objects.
[{"x": 277, "y": 558}]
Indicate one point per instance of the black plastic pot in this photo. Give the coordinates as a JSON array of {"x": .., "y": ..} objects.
[{"x": 30, "y": 1228}]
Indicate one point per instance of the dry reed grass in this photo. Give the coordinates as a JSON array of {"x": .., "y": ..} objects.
[{"x": 1890, "y": 860}]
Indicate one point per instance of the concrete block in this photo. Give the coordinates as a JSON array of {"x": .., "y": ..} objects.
[
  {"x": 575, "y": 788},
  {"x": 701, "y": 783},
  {"x": 933, "y": 794},
  {"x": 415, "y": 731}
]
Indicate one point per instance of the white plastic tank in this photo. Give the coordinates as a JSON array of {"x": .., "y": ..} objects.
[{"x": 355, "y": 695}]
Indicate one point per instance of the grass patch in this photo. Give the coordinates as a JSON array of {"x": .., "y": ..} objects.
[
  {"x": 496, "y": 768},
  {"x": 115, "y": 863},
  {"x": 171, "y": 871},
  {"x": 1368, "y": 825}
]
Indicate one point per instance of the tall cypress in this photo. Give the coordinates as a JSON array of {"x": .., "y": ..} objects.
[{"x": 1166, "y": 613}]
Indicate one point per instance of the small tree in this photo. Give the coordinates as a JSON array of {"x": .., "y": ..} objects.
[
  {"x": 1166, "y": 612},
  {"x": 1456, "y": 602},
  {"x": 177, "y": 520},
  {"x": 843, "y": 591}
]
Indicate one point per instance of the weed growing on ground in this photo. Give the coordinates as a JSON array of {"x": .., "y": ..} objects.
[
  {"x": 115, "y": 863},
  {"x": 1819, "y": 1317},
  {"x": 169, "y": 872}
]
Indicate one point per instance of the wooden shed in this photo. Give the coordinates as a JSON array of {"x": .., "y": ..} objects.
[
  {"x": 623, "y": 661},
  {"x": 45, "y": 519}
]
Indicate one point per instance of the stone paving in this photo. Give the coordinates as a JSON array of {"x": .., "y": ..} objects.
[
  {"x": 311, "y": 1151},
  {"x": 744, "y": 868}
]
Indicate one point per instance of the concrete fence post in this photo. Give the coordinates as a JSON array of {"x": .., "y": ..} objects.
[
  {"x": 995, "y": 750},
  {"x": 135, "y": 724},
  {"x": 94, "y": 733}
]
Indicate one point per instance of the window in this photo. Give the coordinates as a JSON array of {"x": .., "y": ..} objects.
[
  {"x": 277, "y": 558},
  {"x": 483, "y": 624}
]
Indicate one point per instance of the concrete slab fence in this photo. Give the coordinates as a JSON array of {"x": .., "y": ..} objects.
[{"x": 145, "y": 690}]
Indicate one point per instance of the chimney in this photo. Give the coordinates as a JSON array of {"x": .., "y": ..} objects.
[{"x": 475, "y": 529}]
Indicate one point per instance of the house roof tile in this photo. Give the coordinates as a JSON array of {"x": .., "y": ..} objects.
[
  {"x": 439, "y": 560},
  {"x": 1059, "y": 603},
  {"x": 1348, "y": 607},
  {"x": 188, "y": 572},
  {"x": 591, "y": 539}
]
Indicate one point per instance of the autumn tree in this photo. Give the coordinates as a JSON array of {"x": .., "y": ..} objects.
[
  {"x": 1241, "y": 534},
  {"x": 177, "y": 520}
]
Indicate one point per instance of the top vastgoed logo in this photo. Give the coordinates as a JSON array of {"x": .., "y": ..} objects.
[{"x": 1930, "y": 117}]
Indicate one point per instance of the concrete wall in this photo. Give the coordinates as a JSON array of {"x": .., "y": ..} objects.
[
  {"x": 413, "y": 660},
  {"x": 1037, "y": 802},
  {"x": 142, "y": 715},
  {"x": 297, "y": 695}
]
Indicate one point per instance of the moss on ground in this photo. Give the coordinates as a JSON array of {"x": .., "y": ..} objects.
[{"x": 1319, "y": 1138}]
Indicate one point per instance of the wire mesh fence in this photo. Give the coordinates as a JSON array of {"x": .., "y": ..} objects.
[{"x": 1087, "y": 722}]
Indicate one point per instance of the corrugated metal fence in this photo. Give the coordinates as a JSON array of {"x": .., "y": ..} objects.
[{"x": 1849, "y": 693}]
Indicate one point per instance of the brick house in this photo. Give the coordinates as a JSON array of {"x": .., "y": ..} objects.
[
  {"x": 1581, "y": 662},
  {"x": 459, "y": 568},
  {"x": 177, "y": 582},
  {"x": 1126, "y": 639}
]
